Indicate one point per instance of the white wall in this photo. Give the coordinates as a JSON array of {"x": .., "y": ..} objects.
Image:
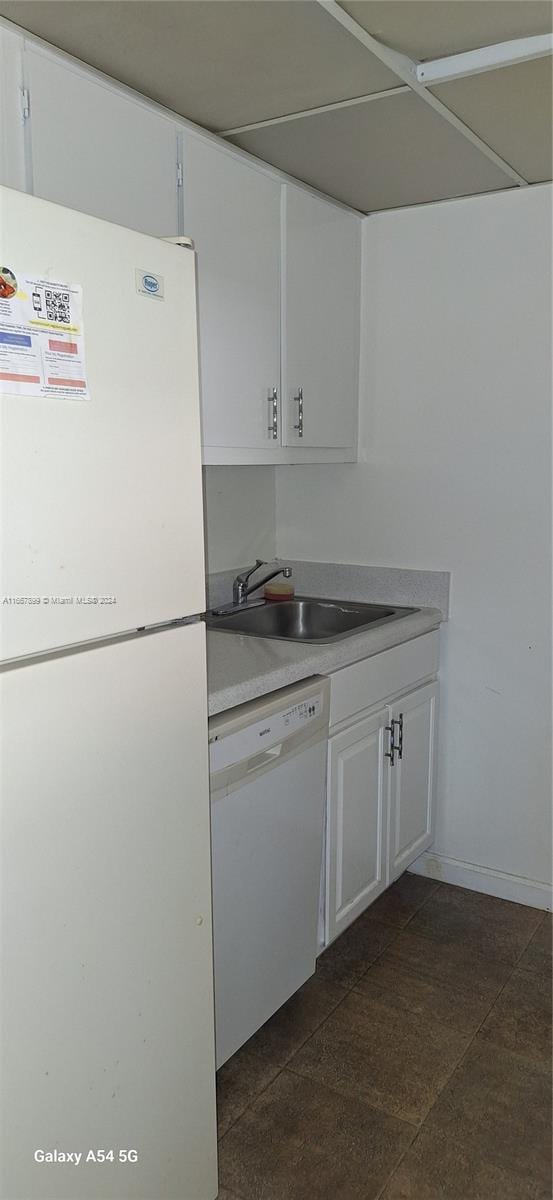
[
  {"x": 239, "y": 515},
  {"x": 455, "y": 444}
]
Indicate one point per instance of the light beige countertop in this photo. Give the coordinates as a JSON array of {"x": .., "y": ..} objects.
[{"x": 241, "y": 668}]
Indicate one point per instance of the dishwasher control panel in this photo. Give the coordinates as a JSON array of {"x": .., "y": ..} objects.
[{"x": 227, "y": 749}]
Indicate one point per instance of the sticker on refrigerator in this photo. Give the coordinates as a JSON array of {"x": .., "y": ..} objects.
[
  {"x": 148, "y": 284},
  {"x": 41, "y": 337}
]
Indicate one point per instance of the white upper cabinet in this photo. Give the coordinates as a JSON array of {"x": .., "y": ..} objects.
[
  {"x": 100, "y": 151},
  {"x": 12, "y": 142},
  {"x": 232, "y": 212},
  {"x": 321, "y": 310},
  {"x": 278, "y": 268}
]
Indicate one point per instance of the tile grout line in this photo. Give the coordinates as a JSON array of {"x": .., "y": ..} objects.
[
  {"x": 316, "y": 1027},
  {"x": 418, "y": 1129},
  {"x": 480, "y": 953},
  {"x": 239, "y": 1118},
  {"x": 251, "y": 1102},
  {"x": 435, "y": 1021},
  {"x": 351, "y": 987},
  {"x": 347, "y": 992},
  {"x": 286, "y": 1066},
  {"x": 400, "y": 928},
  {"x": 282, "y": 1067},
  {"x": 452, "y": 1073},
  {"x": 434, "y": 892},
  {"x": 381, "y": 1191},
  {"x": 381, "y": 1112},
  {"x": 530, "y": 939}
]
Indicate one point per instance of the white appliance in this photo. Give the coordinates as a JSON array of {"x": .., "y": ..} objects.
[
  {"x": 268, "y": 772},
  {"x": 107, "y": 991}
]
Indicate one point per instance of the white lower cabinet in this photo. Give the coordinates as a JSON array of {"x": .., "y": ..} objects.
[
  {"x": 381, "y": 779},
  {"x": 412, "y": 777},
  {"x": 357, "y": 821}
]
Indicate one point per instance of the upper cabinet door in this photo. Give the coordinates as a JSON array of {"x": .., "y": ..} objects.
[
  {"x": 322, "y": 267},
  {"x": 97, "y": 151},
  {"x": 232, "y": 212},
  {"x": 12, "y": 140}
]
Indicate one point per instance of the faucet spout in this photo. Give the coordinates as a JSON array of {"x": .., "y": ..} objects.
[{"x": 240, "y": 589}]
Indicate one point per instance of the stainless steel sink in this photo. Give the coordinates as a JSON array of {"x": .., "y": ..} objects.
[{"x": 304, "y": 619}]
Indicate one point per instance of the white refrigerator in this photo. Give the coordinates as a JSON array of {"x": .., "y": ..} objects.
[{"x": 105, "y": 919}]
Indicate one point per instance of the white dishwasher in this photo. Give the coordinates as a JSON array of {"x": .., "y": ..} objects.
[{"x": 268, "y": 782}]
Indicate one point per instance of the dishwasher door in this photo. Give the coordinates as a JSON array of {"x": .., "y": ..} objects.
[{"x": 268, "y": 787}]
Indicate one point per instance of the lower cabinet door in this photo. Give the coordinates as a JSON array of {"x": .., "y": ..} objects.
[
  {"x": 356, "y": 821},
  {"x": 412, "y": 792}
]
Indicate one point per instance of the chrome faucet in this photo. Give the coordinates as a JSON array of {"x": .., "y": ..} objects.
[{"x": 240, "y": 589}]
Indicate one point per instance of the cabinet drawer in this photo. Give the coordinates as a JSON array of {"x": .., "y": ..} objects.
[{"x": 366, "y": 683}]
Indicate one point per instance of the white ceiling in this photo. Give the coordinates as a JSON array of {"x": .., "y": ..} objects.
[
  {"x": 385, "y": 154},
  {"x": 221, "y": 63},
  {"x": 226, "y": 64},
  {"x": 511, "y": 110},
  {"x": 432, "y": 28}
]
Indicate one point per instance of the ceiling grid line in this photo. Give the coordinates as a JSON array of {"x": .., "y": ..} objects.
[
  {"x": 428, "y": 72},
  {"x": 406, "y": 69},
  {"x": 290, "y": 86},
  {"x": 312, "y": 112},
  {"x": 485, "y": 58}
]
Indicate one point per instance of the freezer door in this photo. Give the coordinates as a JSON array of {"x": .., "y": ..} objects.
[
  {"x": 107, "y": 1030},
  {"x": 102, "y": 495}
]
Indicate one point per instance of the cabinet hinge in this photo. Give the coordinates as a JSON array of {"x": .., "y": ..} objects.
[
  {"x": 25, "y": 104},
  {"x": 179, "y": 174}
]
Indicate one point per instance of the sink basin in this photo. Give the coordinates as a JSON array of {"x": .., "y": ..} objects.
[{"x": 304, "y": 619}]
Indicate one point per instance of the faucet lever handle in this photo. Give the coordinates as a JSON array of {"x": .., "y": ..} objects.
[{"x": 245, "y": 575}]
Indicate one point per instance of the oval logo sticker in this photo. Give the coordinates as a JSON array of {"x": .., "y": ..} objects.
[{"x": 149, "y": 284}]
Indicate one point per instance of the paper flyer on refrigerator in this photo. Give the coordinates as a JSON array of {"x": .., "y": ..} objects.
[{"x": 41, "y": 337}]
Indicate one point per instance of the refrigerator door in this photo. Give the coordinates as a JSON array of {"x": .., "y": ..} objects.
[
  {"x": 101, "y": 494},
  {"x": 107, "y": 1031}
]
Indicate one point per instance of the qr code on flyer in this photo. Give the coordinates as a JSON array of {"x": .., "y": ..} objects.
[{"x": 57, "y": 306}]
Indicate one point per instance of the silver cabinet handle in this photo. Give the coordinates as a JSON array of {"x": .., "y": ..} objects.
[
  {"x": 272, "y": 399},
  {"x": 395, "y": 747},
  {"x": 299, "y": 401},
  {"x": 391, "y": 752}
]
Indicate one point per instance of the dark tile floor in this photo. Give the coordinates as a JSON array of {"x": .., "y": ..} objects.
[{"x": 414, "y": 1065}]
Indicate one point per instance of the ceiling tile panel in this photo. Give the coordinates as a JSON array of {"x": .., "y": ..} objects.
[
  {"x": 510, "y": 109},
  {"x": 220, "y": 63},
  {"x": 432, "y": 28},
  {"x": 381, "y": 154}
]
